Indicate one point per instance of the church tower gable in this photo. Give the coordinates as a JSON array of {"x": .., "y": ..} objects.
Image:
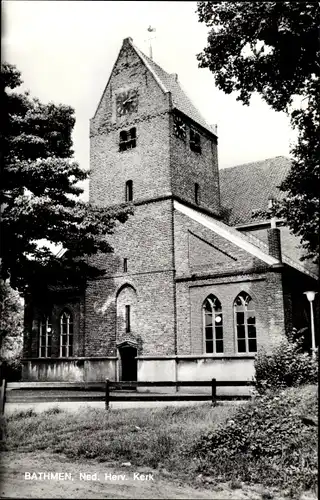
[
  {"x": 133, "y": 92},
  {"x": 129, "y": 143},
  {"x": 148, "y": 141}
]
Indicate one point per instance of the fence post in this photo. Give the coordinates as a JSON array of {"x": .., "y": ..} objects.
[
  {"x": 2, "y": 395},
  {"x": 214, "y": 391},
  {"x": 107, "y": 398}
]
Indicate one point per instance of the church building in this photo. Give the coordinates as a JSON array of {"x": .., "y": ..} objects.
[{"x": 196, "y": 284}]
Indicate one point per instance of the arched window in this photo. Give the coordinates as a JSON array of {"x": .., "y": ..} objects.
[
  {"x": 45, "y": 336},
  {"x": 245, "y": 321},
  {"x": 66, "y": 335},
  {"x": 213, "y": 325},
  {"x": 129, "y": 191}
]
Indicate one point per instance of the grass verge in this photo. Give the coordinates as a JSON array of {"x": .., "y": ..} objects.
[
  {"x": 159, "y": 437},
  {"x": 267, "y": 441}
]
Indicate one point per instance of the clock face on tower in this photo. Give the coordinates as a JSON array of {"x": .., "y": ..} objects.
[
  {"x": 179, "y": 127},
  {"x": 127, "y": 102}
]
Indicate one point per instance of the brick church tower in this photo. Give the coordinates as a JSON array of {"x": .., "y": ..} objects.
[
  {"x": 193, "y": 287},
  {"x": 149, "y": 145}
]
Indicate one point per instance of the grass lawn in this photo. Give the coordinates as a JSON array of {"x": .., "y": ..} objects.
[
  {"x": 159, "y": 437},
  {"x": 119, "y": 441}
]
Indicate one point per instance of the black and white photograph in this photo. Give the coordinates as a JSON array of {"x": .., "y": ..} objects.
[{"x": 159, "y": 249}]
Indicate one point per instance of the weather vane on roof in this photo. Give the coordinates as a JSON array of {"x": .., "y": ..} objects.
[{"x": 151, "y": 30}]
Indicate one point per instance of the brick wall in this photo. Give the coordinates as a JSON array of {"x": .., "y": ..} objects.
[
  {"x": 201, "y": 252},
  {"x": 152, "y": 314},
  {"x": 147, "y": 165},
  {"x": 198, "y": 249},
  {"x": 161, "y": 164},
  {"x": 262, "y": 288},
  {"x": 189, "y": 167},
  {"x": 146, "y": 241}
]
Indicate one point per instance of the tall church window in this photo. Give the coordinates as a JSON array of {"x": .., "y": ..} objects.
[
  {"x": 245, "y": 320},
  {"x": 128, "y": 139},
  {"x": 66, "y": 335},
  {"x": 195, "y": 141},
  {"x": 45, "y": 337},
  {"x": 129, "y": 191},
  {"x": 213, "y": 325},
  {"x": 197, "y": 193}
]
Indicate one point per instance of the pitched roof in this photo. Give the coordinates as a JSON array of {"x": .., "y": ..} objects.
[
  {"x": 246, "y": 188},
  {"x": 169, "y": 83},
  {"x": 254, "y": 246},
  {"x": 231, "y": 234}
]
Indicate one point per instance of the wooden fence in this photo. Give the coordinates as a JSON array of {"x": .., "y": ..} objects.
[
  {"x": 2, "y": 396},
  {"x": 36, "y": 392},
  {"x": 213, "y": 383}
]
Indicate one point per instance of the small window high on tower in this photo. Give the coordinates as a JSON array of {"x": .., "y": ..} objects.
[
  {"x": 197, "y": 193},
  {"x": 195, "y": 142},
  {"x": 127, "y": 318},
  {"x": 129, "y": 191},
  {"x": 128, "y": 139}
]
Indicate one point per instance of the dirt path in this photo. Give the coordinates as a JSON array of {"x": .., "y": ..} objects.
[{"x": 131, "y": 483}]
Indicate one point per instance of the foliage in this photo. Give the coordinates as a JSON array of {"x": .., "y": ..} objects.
[
  {"x": 285, "y": 366},
  {"x": 39, "y": 196},
  {"x": 178, "y": 440},
  {"x": 145, "y": 437},
  {"x": 273, "y": 48},
  {"x": 11, "y": 317},
  {"x": 301, "y": 206},
  {"x": 265, "y": 442},
  {"x": 11, "y": 331}
]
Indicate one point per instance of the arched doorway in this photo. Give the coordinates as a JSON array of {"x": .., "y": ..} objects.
[
  {"x": 126, "y": 328},
  {"x": 128, "y": 362}
]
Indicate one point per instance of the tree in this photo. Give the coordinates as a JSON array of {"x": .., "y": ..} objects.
[
  {"x": 40, "y": 196},
  {"x": 11, "y": 330},
  {"x": 272, "y": 48}
]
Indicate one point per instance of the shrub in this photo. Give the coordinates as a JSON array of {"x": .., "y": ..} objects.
[
  {"x": 53, "y": 411},
  {"x": 265, "y": 442},
  {"x": 18, "y": 415},
  {"x": 285, "y": 366}
]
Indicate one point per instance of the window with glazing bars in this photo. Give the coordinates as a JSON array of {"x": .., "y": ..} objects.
[
  {"x": 66, "y": 335},
  {"x": 213, "y": 325},
  {"x": 245, "y": 321},
  {"x": 45, "y": 337}
]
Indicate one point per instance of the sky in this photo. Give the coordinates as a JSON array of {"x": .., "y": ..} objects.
[{"x": 65, "y": 51}]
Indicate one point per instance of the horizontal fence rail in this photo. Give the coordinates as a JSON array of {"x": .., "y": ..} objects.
[
  {"x": 213, "y": 383},
  {"x": 32, "y": 392}
]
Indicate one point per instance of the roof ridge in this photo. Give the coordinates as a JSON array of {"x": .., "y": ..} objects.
[
  {"x": 149, "y": 66},
  {"x": 235, "y": 236},
  {"x": 169, "y": 83},
  {"x": 254, "y": 162},
  {"x": 256, "y": 242}
]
